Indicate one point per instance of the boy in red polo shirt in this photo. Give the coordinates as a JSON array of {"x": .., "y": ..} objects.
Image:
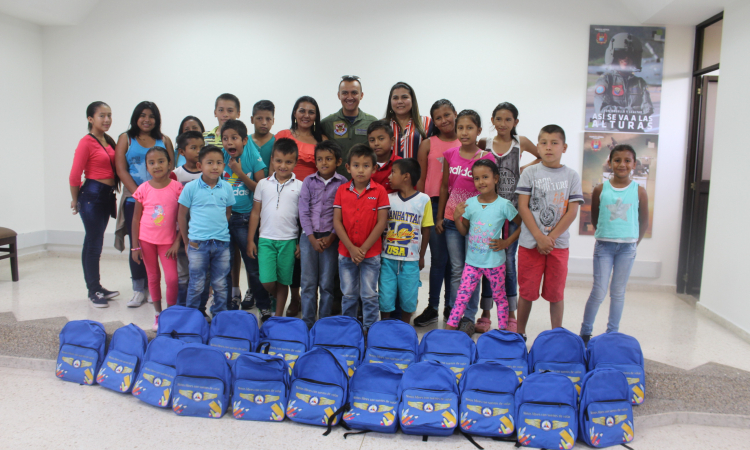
[
  {"x": 380, "y": 138},
  {"x": 359, "y": 217}
]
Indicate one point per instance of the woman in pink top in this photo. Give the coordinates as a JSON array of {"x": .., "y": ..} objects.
[
  {"x": 306, "y": 132},
  {"x": 443, "y": 137},
  {"x": 457, "y": 187},
  {"x": 155, "y": 236},
  {"x": 95, "y": 199}
]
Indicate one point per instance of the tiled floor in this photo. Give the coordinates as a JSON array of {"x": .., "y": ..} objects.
[
  {"x": 43, "y": 412},
  {"x": 669, "y": 330}
]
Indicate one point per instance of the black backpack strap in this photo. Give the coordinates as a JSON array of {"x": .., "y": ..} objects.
[
  {"x": 330, "y": 420},
  {"x": 356, "y": 432},
  {"x": 471, "y": 439},
  {"x": 424, "y": 438},
  {"x": 629, "y": 448}
]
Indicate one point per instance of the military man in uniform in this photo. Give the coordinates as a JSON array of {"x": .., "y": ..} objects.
[
  {"x": 619, "y": 90},
  {"x": 349, "y": 125}
]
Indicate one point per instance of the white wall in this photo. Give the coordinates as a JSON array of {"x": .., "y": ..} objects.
[
  {"x": 723, "y": 287},
  {"x": 22, "y": 174},
  {"x": 533, "y": 54}
]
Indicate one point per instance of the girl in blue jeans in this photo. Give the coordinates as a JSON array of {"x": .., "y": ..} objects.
[{"x": 619, "y": 213}]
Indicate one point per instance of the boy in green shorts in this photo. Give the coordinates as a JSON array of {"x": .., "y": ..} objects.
[{"x": 277, "y": 209}]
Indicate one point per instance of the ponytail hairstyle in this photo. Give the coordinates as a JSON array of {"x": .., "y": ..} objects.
[
  {"x": 90, "y": 111},
  {"x": 134, "y": 131},
  {"x": 486, "y": 163},
  {"x": 513, "y": 110},
  {"x": 416, "y": 119},
  {"x": 434, "y": 130},
  {"x": 471, "y": 114}
]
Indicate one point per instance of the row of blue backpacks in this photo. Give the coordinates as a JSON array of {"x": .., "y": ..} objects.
[{"x": 548, "y": 397}]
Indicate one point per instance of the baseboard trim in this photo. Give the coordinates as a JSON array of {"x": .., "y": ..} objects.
[
  {"x": 723, "y": 321},
  {"x": 692, "y": 418}
]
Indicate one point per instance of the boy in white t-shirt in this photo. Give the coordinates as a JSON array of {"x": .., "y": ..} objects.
[
  {"x": 276, "y": 208},
  {"x": 406, "y": 236}
]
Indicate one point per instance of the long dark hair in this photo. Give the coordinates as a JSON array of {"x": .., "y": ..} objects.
[
  {"x": 434, "y": 130},
  {"x": 416, "y": 119},
  {"x": 513, "y": 111},
  {"x": 182, "y": 124},
  {"x": 90, "y": 111},
  {"x": 134, "y": 131},
  {"x": 317, "y": 130}
]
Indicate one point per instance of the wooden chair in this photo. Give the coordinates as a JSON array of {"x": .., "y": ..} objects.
[{"x": 8, "y": 237}]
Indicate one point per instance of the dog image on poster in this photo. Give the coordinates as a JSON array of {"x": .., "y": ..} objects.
[
  {"x": 624, "y": 79},
  {"x": 596, "y": 169}
]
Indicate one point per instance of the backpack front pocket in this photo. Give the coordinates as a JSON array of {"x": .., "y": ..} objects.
[
  {"x": 199, "y": 397},
  {"x": 76, "y": 364},
  {"x": 372, "y": 411},
  {"x": 313, "y": 402},
  {"x": 401, "y": 358},
  {"x": 232, "y": 347},
  {"x": 573, "y": 371},
  {"x": 154, "y": 384},
  {"x": 259, "y": 400},
  {"x": 546, "y": 425},
  {"x": 428, "y": 412},
  {"x": 486, "y": 413},
  {"x": 636, "y": 380},
  {"x": 118, "y": 371},
  {"x": 457, "y": 363},
  {"x": 609, "y": 423}
]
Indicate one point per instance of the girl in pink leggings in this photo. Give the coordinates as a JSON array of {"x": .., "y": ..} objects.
[
  {"x": 481, "y": 219},
  {"x": 155, "y": 234}
]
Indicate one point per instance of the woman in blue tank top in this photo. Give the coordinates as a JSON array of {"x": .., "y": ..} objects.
[
  {"x": 619, "y": 213},
  {"x": 130, "y": 159}
]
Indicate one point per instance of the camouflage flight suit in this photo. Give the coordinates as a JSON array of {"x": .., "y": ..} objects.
[{"x": 622, "y": 92}]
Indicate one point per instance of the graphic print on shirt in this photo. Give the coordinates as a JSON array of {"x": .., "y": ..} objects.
[
  {"x": 158, "y": 215},
  {"x": 479, "y": 238},
  {"x": 618, "y": 210},
  {"x": 238, "y": 187},
  {"x": 401, "y": 231},
  {"x": 550, "y": 210}
]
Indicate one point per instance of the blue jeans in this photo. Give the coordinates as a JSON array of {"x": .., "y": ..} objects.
[
  {"x": 360, "y": 281},
  {"x": 440, "y": 271},
  {"x": 137, "y": 271},
  {"x": 511, "y": 276},
  {"x": 94, "y": 203},
  {"x": 320, "y": 270},
  {"x": 183, "y": 277},
  {"x": 238, "y": 224},
  {"x": 610, "y": 258},
  {"x": 209, "y": 257},
  {"x": 456, "y": 243}
]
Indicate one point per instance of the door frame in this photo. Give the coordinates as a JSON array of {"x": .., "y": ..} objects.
[{"x": 691, "y": 165}]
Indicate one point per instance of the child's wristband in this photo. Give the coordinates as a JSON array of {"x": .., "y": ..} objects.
[{"x": 134, "y": 249}]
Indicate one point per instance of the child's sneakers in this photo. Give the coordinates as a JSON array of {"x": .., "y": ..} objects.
[
  {"x": 265, "y": 314},
  {"x": 107, "y": 293},
  {"x": 447, "y": 312},
  {"x": 428, "y": 317},
  {"x": 98, "y": 300},
  {"x": 156, "y": 323},
  {"x": 138, "y": 299},
  {"x": 249, "y": 301},
  {"x": 484, "y": 324},
  {"x": 512, "y": 325},
  {"x": 467, "y": 326}
]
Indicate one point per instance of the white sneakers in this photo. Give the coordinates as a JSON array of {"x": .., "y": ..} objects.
[{"x": 138, "y": 299}]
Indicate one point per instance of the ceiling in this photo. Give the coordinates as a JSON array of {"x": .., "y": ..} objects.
[{"x": 651, "y": 12}]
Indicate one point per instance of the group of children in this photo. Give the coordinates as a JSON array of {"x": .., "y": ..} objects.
[{"x": 372, "y": 230}]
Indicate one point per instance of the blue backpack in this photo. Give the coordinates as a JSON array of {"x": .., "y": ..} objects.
[
  {"x": 546, "y": 411},
  {"x": 156, "y": 378},
  {"x": 234, "y": 332},
  {"x": 622, "y": 352},
  {"x": 392, "y": 341},
  {"x": 203, "y": 382},
  {"x": 120, "y": 367},
  {"x": 488, "y": 400},
  {"x": 505, "y": 347},
  {"x": 343, "y": 335},
  {"x": 428, "y": 399},
  {"x": 373, "y": 397},
  {"x": 320, "y": 389},
  {"x": 605, "y": 415},
  {"x": 285, "y": 336},
  {"x": 82, "y": 349},
  {"x": 453, "y": 348},
  {"x": 183, "y": 323},
  {"x": 559, "y": 350},
  {"x": 260, "y": 388}
]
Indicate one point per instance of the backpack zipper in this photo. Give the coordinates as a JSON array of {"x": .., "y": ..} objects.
[{"x": 268, "y": 342}]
